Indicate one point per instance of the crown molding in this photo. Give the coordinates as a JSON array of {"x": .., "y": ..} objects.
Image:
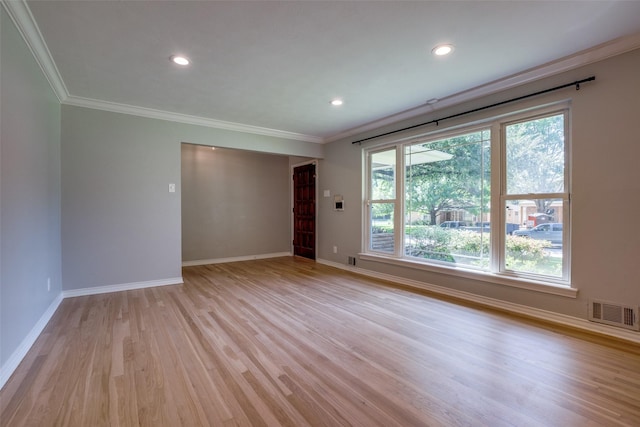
[
  {"x": 597, "y": 53},
  {"x": 185, "y": 118},
  {"x": 24, "y": 21},
  {"x": 21, "y": 16}
]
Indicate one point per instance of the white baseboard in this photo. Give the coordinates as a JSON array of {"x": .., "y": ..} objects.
[
  {"x": 12, "y": 363},
  {"x": 14, "y": 360},
  {"x": 122, "y": 287},
  {"x": 547, "y": 316},
  {"x": 234, "y": 259}
]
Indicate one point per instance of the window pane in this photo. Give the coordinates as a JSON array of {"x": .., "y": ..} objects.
[
  {"x": 535, "y": 156},
  {"x": 447, "y": 199},
  {"x": 536, "y": 245},
  {"x": 382, "y": 232},
  {"x": 383, "y": 173}
]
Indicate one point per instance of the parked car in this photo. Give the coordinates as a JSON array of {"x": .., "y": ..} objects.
[
  {"x": 453, "y": 224},
  {"x": 551, "y": 232},
  {"x": 478, "y": 227},
  {"x": 485, "y": 227}
]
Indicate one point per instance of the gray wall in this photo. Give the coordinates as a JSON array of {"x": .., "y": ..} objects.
[
  {"x": 605, "y": 196},
  {"x": 120, "y": 224},
  {"x": 235, "y": 203},
  {"x": 29, "y": 191}
]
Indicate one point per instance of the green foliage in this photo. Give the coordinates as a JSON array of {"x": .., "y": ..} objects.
[
  {"x": 535, "y": 164},
  {"x": 460, "y": 182},
  {"x": 535, "y": 158},
  {"x": 382, "y": 210},
  {"x": 447, "y": 245},
  {"x": 529, "y": 255},
  {"x": 472, "y": 248},
  {"x": 429, "y": 242}
]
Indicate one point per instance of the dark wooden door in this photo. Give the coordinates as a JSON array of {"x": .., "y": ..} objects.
[{"x": 304, "y": 211}]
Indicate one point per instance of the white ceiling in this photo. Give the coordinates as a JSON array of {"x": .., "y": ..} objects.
[{"x": 275, "y": 65}]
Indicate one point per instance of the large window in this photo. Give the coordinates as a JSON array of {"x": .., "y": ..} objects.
[{"x": 430, "y": 200}]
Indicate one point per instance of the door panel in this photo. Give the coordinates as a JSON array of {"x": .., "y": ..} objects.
[{"x": 304, "y": 211}]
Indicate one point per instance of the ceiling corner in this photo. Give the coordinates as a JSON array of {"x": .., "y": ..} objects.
[{"x": 21, "y": 16}]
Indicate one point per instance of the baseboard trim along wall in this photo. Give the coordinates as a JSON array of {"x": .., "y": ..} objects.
[
  {"x": 12, "y": 363},
  {"x": 522, "y": 310},
  {"x": 14, "y": 360},
  {"x": 234, "y": 259},
  {"x": 122, "y": 287}
]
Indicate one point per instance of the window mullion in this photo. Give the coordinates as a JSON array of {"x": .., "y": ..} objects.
[
  {"x": 399, "y": 218},
  {"x": 498, "y": 163}
]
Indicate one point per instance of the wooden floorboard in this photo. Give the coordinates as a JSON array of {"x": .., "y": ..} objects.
[{"x": 288, "y": 342}]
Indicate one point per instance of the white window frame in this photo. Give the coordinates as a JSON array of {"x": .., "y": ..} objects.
[
  {"x": 398, "y": 208},
  {"x": 497, "y": 273}
]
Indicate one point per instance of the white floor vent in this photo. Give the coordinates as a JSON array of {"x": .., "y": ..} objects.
[{"x": 614, "y": 314}]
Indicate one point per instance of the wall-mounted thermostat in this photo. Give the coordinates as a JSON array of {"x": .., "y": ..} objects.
[{"x": 338, "y": 203}]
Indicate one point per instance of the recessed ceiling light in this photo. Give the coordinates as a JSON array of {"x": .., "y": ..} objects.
[
  {"x": 336, "y": 102},
  {"x": 442, "y": 49},
  {"x": 180, "y": 60}
]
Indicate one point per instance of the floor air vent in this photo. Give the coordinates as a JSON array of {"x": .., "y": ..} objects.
[{"x": 614, "y": 314}]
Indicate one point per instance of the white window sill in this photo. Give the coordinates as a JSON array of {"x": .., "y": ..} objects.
[{"x": 531, "y": 285}]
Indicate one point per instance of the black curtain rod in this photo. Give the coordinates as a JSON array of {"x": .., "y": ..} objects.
[{"x": 576, "y": 84}]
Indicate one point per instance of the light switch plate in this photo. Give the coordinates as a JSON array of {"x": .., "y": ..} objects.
[{"x": 172, "y": 188}]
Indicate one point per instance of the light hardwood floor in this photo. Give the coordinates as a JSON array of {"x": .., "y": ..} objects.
[{"x": 290, "y": 342}]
